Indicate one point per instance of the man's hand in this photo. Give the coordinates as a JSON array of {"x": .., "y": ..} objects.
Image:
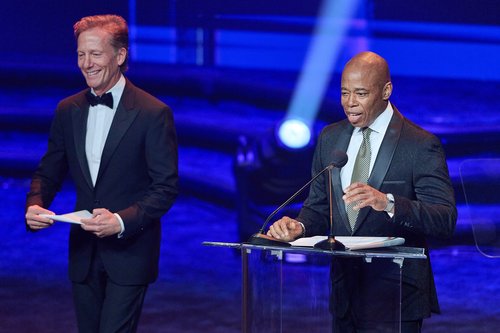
[
  {"x": 285, "y": 229},
  {"x": 103, "y": 223},
  {"x": 35, "y": 221},
  {"x": 365, "y": 195}
]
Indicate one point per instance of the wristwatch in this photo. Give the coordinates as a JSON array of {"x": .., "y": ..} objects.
[{"x": 390, "y": 203}]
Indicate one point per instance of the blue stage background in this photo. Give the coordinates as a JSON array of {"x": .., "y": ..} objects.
[{"x": 229, "y": 69}]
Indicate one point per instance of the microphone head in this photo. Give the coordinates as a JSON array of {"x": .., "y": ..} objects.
[{"x": 339, "y": 158}]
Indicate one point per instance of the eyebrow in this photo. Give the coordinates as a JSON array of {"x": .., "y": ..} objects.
[{"x": 356, "y": 89}]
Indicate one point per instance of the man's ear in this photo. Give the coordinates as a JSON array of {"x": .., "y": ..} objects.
[
  {"x": 387, "y": 91},
  {"x": 122, "y": 55}
]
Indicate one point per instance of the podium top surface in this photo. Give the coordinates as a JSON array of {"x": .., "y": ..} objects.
[{"x": 383, "y": 252}]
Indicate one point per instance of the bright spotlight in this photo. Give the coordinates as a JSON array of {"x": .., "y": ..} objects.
[
  {"x": 322, "y": 54},
  {"x": 294, "y": 133}
]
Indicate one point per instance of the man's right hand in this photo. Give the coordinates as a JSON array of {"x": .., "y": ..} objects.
[
  {"x": 35, "y": 221},
  {"x": 285, "y": 229}
]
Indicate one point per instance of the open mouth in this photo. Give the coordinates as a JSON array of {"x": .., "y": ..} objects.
[
  {"x": 92, "y": 73},
  {"x": 354, "y": 115}
]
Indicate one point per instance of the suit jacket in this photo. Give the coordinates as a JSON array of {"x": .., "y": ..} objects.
[
  {"x": 411, "y": 165},
  {"x": 137, "y": 179}
]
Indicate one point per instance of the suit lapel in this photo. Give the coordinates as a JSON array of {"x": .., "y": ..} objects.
[
  {"x": 79, "y": 119},
  {"x": 383, "y": 160},
  {"x": 124, "y": 116},
  {"x": 344, "y": 138}
]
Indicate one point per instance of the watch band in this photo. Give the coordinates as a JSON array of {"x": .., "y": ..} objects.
[{"x": 390, "y": 203}]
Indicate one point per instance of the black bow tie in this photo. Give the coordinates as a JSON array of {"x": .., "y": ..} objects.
[{"x": 106, "y": 99}]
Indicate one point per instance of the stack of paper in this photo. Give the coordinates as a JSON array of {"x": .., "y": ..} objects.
[{"x": 352, "y": 243}]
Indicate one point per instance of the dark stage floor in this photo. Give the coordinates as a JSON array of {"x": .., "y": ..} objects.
[{"x": 199, "y": 287}]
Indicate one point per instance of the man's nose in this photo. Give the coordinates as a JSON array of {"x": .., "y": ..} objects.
[
  {"x": 87, "y": 62},
  {"x": 351, "y": 101}
]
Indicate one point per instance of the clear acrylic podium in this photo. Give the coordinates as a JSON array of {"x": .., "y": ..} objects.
[
  {"x": 481, "y": 184},
  {"x": 296, "y": 289}
]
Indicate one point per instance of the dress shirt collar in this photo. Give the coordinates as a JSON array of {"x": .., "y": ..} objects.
[
  {"x": 381, "y": 123},
  {"x": 116, "y": 91}
]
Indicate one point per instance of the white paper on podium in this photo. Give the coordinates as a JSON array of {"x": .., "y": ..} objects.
[
  {"x": 73, "y": 217},
  {"x": 352, "y": 242}
]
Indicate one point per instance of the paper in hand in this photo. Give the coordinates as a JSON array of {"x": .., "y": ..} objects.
[{"x": 73, "y": 217}]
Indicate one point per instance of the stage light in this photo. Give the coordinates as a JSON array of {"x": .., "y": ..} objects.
[
  {"x": 326, "y": 44},
  {"x": 267, "y": 172},
  {"x": 294, "y": 133},
  {"x": 272, "y": 167}
]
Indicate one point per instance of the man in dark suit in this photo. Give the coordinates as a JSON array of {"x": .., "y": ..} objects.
[
  {"x": 119, "y": 145},
  {"x": 406, "y": 193}
]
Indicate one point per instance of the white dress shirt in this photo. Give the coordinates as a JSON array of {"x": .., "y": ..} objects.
[
  {"x": 98, "y": 125},
  {"x": 378, "y": 127}
]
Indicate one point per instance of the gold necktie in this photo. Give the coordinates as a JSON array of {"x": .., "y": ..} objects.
[{"x": 360, "y": 172}]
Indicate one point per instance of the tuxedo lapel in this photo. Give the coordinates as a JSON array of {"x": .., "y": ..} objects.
[
  {"x": 344, "y": 138},
  {"x": 386, "y": 151},
  {"x": 384, "y": 159},
  {"x": 124, "y": 116},
  {"x": 79, "y": 117}
]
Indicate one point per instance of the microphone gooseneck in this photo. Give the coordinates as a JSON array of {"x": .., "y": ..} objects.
[
  {"x": 330, "y": 244},
  {"x": 330, "y": 166},
  {"x": 339, "y": 159}
]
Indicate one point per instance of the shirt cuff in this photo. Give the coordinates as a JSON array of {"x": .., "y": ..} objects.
[
  {"x": 303, "y": 229},
  {"x": 122, "y": 225}
]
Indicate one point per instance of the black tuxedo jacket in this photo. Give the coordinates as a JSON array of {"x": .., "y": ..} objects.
[
  {"x": 411, "y": 165},
  {"x": 137, "y": 179}
]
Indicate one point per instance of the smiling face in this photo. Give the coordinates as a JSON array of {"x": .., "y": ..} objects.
[
  {"x": 98, "y": 60},
  {"x": 365, "y": 89}
]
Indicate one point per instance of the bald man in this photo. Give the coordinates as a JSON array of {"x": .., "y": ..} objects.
[{"x": 408, "y": 194}]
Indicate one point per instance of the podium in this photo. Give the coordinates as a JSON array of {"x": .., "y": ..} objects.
[
  {"x": 303, "y": 289},
  {"x": 481, "y": 183}
]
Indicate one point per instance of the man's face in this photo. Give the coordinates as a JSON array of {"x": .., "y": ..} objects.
[
  {"x": 363, "y": 97},
  {"x": 98, "y": 60}
]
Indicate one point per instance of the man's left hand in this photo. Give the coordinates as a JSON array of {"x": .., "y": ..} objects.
[
  {"x": 103, "y": 223},
  {"x": 364, "y": 195}
]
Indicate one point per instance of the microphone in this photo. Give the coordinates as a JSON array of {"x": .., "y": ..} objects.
[{"x": 339, "y": 159}]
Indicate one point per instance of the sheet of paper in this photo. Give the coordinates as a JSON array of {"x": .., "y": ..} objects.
[
  {"x": 73, "y": 217},
  {"x": 354, "y": 242}
]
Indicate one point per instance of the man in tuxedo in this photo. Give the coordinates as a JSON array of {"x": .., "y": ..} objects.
[
  {"x": 119, "y": 145},
  {"x": 405, "y": 192}
]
